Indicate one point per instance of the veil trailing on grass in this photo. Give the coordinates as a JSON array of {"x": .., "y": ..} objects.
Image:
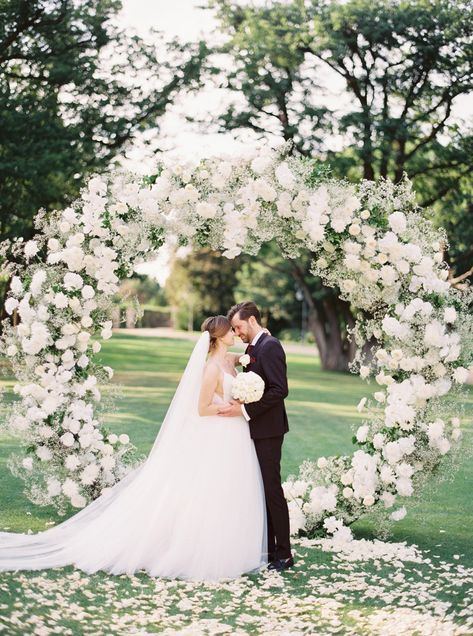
[{"x": 103, "y": 534}]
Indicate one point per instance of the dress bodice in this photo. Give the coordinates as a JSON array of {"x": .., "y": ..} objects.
[{"x": 227, "y": 389}]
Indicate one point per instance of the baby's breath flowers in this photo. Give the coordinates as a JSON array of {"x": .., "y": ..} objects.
[{"x": 370, "y": 241}]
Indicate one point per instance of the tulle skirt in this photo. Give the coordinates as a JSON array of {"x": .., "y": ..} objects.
[{"x": 197, "y": 512}]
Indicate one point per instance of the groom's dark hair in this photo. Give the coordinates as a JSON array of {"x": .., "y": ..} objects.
[{"x": 245, "y": 310}]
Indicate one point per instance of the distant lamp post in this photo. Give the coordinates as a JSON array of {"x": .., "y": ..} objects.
[{"x": 301, "y": 298}]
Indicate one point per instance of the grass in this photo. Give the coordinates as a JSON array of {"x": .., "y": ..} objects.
[{"x": 321, "y": 407}]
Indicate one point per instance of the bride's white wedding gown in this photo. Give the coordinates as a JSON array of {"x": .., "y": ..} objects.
[{"x": 194, "y": 509}]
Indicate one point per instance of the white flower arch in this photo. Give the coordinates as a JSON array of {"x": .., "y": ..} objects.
[{"x": 371, "y": 242}]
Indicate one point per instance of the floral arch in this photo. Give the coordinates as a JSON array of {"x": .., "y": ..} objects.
[{"x": 371, "y": 242}]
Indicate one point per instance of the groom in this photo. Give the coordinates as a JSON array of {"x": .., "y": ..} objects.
[{"x": 268, "y": 423}]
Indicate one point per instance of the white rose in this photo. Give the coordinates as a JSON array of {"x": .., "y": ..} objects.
[
  {"x": 107, "y": 462},
  {"x": 88, "y": 292},
  {"x": 260, "y": 164},
  {"x": 67, "y": 439},
  {"x": 449, "y": 314},
  {"x": 362, "y": 433},
  {"x": 380, "y": 396},
  {"x": 112, "y": 438},
  {"x": 106, "y": 333},
  {"x": 368, "y": 500},
  {"x": 31, "y": 248},
  {"x": 347, "y": 492},
  {"x": 72, "y": 462},
  {"x": 398, "y": 222},
  {"x": 388, "y": 274},
  {"x": 354, "y": 229},
  {"x": 322, "y": 462},
  {"x": 44, "y": 453},
  {"x": 399, "y": 514},
  {"x": 206, "y": 210},
  {"x": 12, "y": 350},
  {"x": 443, "y": 445},
  {"x": 73, "y": 281},
  {"x": 284, "y": 176},
  {"x": 78, "y": 501},
  {"x": 460, "y": 375},
  {"x": 10, "y": 305},
  {"x": 378, "y": 440},
  {"x": 16, "y": 286},
  {"x": 123, "y": 438},
  {"x": 348, "y": 285},
  {"x": 60, "y": 300},
  {"x": 388, "y": 498},
  {"x": 244, "y": 360}
]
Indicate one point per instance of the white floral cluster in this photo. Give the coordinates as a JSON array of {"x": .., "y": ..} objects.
[
  {"x": 62, "y": 302},
  {"x": 370, "y": 242},
  {"x": 389, "y": 262},
  {"x": 248, "y": 387}
]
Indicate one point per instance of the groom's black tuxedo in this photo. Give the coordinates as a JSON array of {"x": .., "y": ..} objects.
[
  {"x": 268, "y": 424},
  {"x": 268, "y": 416}
]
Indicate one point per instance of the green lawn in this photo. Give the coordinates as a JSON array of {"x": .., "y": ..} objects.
[{"x": 325, "y": 593}]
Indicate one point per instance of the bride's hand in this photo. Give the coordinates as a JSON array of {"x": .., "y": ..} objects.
[{"x": 230, "y": 410}]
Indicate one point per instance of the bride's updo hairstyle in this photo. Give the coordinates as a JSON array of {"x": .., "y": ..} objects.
[{"x": 217, "y": 326}]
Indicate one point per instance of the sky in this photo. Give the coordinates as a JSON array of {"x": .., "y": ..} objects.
[{"x": 185, "y": 20}]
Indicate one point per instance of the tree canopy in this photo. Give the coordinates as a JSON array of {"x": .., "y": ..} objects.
[
  {"x": 398, "y": 70},
  {"x": 71, "y": 95}
]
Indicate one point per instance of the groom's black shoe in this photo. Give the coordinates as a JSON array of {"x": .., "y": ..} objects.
[{"x": 281, "y": 564}]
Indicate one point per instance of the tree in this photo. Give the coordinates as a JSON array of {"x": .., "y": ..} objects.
[
  {"x": 204, "y": 281},
  {"x": 402, "y": 67},
  {"x": 145, "y": 289},
  {"x": 71, "y": 95},
  {"x": 272, "y": 281}
]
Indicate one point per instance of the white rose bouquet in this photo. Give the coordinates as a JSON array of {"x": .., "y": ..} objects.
[{"x": 248, "y": 387}]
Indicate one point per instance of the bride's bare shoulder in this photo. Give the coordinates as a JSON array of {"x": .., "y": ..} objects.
[{"x": 211, "y": 368}]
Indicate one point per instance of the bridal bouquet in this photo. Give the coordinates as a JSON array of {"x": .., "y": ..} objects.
[{"x": 248, "y": 387}]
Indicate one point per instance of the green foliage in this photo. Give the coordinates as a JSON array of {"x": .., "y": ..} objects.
[
  {"x": 146, "y": 290},
  {"x": 267, "y": 281},
  {"x": 401, "y": 68},
  {"x": 71, "y": 95},
  {"x": 204, "y": 282}
]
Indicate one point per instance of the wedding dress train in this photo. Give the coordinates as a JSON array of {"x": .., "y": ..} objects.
[{"x": 194, "y": 509}]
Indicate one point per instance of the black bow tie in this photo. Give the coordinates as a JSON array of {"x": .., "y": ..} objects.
[{"x": 249, "y": 348}]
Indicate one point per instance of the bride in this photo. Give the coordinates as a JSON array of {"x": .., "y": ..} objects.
[{"x": 194, "y": 509}]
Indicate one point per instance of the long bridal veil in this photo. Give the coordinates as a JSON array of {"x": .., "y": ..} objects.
[{"x": 103, "y": 534}]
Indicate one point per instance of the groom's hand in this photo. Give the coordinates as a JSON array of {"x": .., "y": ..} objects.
[{"x": 231, "y": 410}]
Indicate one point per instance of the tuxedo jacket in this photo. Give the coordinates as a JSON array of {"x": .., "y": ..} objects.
[{"x": 268, "y": 416}]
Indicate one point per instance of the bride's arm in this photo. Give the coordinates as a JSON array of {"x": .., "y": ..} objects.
[{"x": 207, "y": 390}]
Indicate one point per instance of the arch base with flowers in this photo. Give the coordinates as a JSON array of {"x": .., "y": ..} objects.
[{"x": 369, "y": 240}]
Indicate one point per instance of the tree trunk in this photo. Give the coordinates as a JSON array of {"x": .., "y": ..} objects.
[{"x": 328, "y": 320}]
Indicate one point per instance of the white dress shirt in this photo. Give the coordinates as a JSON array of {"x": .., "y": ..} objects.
[{"x": 253, "y": 342}]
